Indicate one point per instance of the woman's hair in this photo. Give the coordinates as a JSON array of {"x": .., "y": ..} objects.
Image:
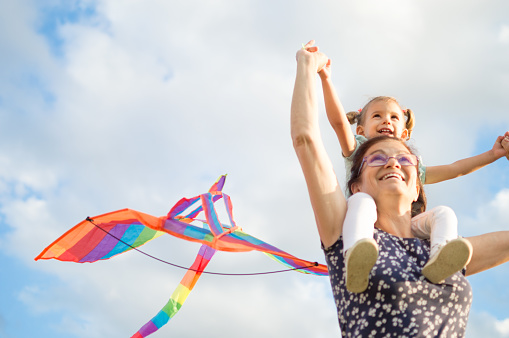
[
  {"x": 358, "y": 117},
  {"x": 418, "y": 206}
]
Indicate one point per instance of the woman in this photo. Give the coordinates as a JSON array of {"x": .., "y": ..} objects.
[{"x": 399, "y": 301}]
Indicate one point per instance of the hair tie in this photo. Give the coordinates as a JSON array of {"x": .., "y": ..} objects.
[{"x": 360, "y": 110}]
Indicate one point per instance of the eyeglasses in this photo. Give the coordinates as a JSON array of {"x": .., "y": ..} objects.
[{"x": 380, "y": 159}]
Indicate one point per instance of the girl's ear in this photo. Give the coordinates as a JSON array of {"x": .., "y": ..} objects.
[
  {"x": 360, "y": 130},
  {"x": 404, "y": 134}
]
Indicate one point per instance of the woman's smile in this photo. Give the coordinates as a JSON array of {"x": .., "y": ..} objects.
[{"x": 392, "y": 175}]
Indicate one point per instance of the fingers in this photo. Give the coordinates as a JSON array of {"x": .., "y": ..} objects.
[
  {"x": 309, "y": 46},
  {"x": 308, "y": 50},
  {"x": 504, "y": 140},
  {"x": 505, "y": 143}
]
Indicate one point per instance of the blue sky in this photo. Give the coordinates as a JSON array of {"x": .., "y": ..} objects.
[{"x": 106, "y": 105}]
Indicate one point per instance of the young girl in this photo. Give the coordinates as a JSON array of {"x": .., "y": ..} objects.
[{"x": 384, "y": 116}]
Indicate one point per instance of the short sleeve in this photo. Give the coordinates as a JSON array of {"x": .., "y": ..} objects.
[{"x": 359, "y": 139}]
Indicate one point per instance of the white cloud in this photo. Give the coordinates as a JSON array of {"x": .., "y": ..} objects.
[
  {"x": 483, "y": 324},
  {"x": 154, "y": 100},
  {"x": 490, "y": 216},
  {"x": 503, "y": 326}
]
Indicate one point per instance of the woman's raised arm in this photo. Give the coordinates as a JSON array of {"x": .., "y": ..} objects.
[
  {"x": 327, "y": 199},
  {"x": 489, "y": 250}
]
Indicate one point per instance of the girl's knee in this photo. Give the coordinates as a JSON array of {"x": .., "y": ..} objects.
[
  {"x": 444, "y": 212},
  {"x": 361, "y": 198}
]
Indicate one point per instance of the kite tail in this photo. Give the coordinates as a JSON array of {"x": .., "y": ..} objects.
[{"x": 179, "y": 295}]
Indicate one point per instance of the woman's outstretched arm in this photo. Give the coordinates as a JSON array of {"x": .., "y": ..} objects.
[
  {"x": 327, "y": 199},
  {"x": 489, "y": 250}
]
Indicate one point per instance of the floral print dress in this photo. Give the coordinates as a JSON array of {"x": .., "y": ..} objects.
[{"x": 399, "y": 301}]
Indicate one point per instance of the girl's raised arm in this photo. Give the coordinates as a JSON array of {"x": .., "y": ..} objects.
[
  {"x": 327, "y": 199},
  {"x": 336, "y": 113}
]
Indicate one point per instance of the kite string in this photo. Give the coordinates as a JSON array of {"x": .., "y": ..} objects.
[{"x": 200, "y": 271}]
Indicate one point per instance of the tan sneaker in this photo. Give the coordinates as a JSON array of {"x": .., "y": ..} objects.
[
  {"x": 359, "y": 261},
  {"x": 451, "y": 258}
]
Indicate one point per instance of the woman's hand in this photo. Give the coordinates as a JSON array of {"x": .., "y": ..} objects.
[{"x": 310, "y": 56}]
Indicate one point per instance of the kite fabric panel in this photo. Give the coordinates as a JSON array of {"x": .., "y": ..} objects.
[
  {"x": 105, "y": 236},
  {"x": 115, "y": 233}
]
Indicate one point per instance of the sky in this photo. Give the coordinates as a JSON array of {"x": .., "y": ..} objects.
[{"x": 107, "y": 105}]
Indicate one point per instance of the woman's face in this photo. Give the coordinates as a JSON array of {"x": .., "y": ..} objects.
[
  {"x": 383, "y": 118},
  {"x": 391, "y": 178}
]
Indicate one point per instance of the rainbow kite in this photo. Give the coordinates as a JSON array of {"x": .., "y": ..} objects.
[{"x": 108, "y": 235}]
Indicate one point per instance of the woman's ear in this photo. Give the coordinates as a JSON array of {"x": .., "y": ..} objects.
[
  {"x": 360, "y": 130},
  {"x": 356, "y": 187},
  {"x": 417, "y": 194}
]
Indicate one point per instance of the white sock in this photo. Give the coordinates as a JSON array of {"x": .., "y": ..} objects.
[
  {"x": 439, "y": 224},
  {"x": 360, "y": 219}
]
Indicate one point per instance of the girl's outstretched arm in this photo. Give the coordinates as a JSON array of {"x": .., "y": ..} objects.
[
  {"x": 336, "y": 113},
  {"x": 489, "y": 251},
  {"x": 327, "y": 199},
  {"x": 435, "y": 174}
]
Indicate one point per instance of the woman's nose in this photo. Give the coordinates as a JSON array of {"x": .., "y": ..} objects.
[{"x": 392, "y": 162}]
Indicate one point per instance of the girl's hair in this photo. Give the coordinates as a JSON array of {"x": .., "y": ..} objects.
[
  {"x": 418, "y": 206},
  {"x": 357, "y": 117}
]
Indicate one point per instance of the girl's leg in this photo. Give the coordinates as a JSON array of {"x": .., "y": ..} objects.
[
  {"x": 360, "y": 219},
  {"x": 361, "y": 250},
  {"x": 439, "y": 224},
  {"x": 449, "y": 254}
]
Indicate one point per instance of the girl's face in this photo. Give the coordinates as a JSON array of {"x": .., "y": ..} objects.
[
  {"x": 384, "y": 118},
  {"x": 391, "y": 178}
]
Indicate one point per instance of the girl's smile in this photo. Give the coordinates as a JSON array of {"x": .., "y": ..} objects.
[{"x": 384, "y": 118}]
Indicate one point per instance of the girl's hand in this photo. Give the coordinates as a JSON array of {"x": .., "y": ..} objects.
[
  {"x": 501, "y": 146},
  {"x": 505, "y": 144},
  {"x": 325, "y": 73},
  {"x": 310, "y": 53}
]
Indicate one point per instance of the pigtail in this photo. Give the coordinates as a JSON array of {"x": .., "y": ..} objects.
[
  {"x": 410, "y": 120},
  {"x": 353, "y": 117}
]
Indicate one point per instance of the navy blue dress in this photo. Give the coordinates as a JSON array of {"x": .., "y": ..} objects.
[{"x": 399, "y": 300}]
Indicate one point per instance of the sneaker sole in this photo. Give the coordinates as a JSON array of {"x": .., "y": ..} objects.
[
  {"x": 453, "y": 257},
  {"x": 361, "y": 259}
]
